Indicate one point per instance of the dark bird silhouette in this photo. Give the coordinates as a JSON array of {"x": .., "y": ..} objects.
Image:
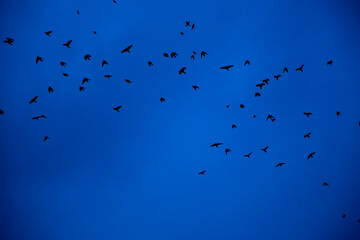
[
  {"x": 117, "y": 108},
  {"x": 173, "y": 55},
  {"x": 203, "y": 54},
  {"x": 343, "y": 216},
  {"x": 265, "y": 149},
  {"x": 104, "y": 62},
  {"x": 194, "y": 52},
  {"x": 248, "y": 155},
  {"x": 77, "y": 11},
  {"x": 65, "y": 74},
  {"x": 182, "y": 70},
  {"x": 266, "y": 81},
  {"x": 227, "y": 67},
  {"x": 181, "y": 33},
  {"x": 227, "y": 150},
  {"x": 359, "y": 220},
  {"x": 233, "y": 126},
  {"x": 307, "y": 135},
  {"x": 87, "y": 57},
  {"x": 193, "y": 26},
  {"x": 9, "y": 41},
  {"x": 48, "y": 33},
  {"x": 127, "y": 49},
  {"x": 257, "y": 94},
  {"x": 192, "y": 57},
  {"x": 254, "y": 116},
  {"x": 247, "y": 62},
  {"x": 227, "y": 106},
  {"x": 150, "y": 63},
  {"x": 114, "y": 1},
  {"x": 202, "y": 172},
  {"x": 36, "y": 118},
  {"x": 108, "y": 76},
  {"x": 81, "y": 89},
  {"x": 187, "y": 23},
  {"x": 46, "y": 138},
  {"x": 277, "y": 76},
  {"x": 325, "y": 184},
  {"x": 85, "y": 80},
  {"x": 43, "y": 116},
  {"x": 128, "y": 81},
  {"x": 166, "y": 55},
  {"x": 271, "y": 117},
  {"x": 1, "y": 112},
  {"x": 308, "y": 114},
  {"x": 216, "y": 145},
  {"x": 67, "y": 44},
  {"x": 162, "y": 99},
  {"x": 95, "y": 32},
  {"x": 300, "y": 68},
  {"x": 279, "y": 164},
  {"x": 338, "y": 113},
  {"x": 311, "y": 155},
  {"x": 63, "y": 64},
  {"x": 260, "y": 85},
  {"x": 39, "y": 59},
  {"x": 50, "y": 89},
  {"x": 33, "y": 100},
  {"x": 195, "y": 87},
  {"x": 285, "y": 70},
  {"x": 329, "y": 63},
  {"x": 242, "y": 106}
]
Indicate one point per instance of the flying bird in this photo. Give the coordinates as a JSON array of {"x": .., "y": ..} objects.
[
  {"x": 77, "y": 11},
  {"x": 202, "y": 54},
  {"x": 36, "y": 118},
  {"x": 271, "y": 117},
  {"x": 81, "y": 89},
  {"x": 108, "y": 76},
  {"x": 33, "y": 100},
  {"x": 182, "y": 70},
  {"x": 343, "y": 216},
  {"x": 311, "y": 155},
  {"x": 233, "y": 126},
  {"x": 181, "y": 33},
  {"x": 85, "y": 80},
  {"x": 195, "y": 87},
  {"x": 257, "y": 94},
  {"x": 39, "y": 59},
  {"x": 242, "y": 106},
  {"x": 260, "y": 85},
  {"x": 247, "y": 62},
  {"x": 65, "y": 74},
  {"x": 117, "y": 108},
  {"x": 9, "y": 41},
  {"x": 265, "y": 149},
  {"x": 285, "y": 70},
  {"x": 325, "y": 184},
  {"x": 162, "y": 99},
  {"x": 307, "y": 135},
  {"x": 194, "y": 52},
  {"x": 202, "y": 172},
  {"x": 104, "y": 62},
  {"x": 173, "y": 55},
  {"x": 192, "y": 57},
  {"x": 227, "y": 106},
  {"x": 50, "y": 89},
  {"x": 46, "y": 138},
  {"x": 227, "y": 150},
  {"x": 187, "y": 23},
  {"x": 48, "y": 33},
  {"x": 277, "y": 76},
  {"x": 87, "y": 57},
  {"x": 127, "y": 49},
  {"x": 279, "y": 164},
  {"x": 248, "y": 155},
  {"x": 266, "y": 81},
  {"x": 114, "y": 1},
  {"x": 95, "y": 32},
  {"x": 227, "y": 67},
  {"x": 338, "y": 113},
  {"x": 150, "y": 63},
  {"x": 1, "y": 112},
  {"x": 193, "y": 26},
  {"x": 166, "y": 55},
  {"x": 308, "y": 114},
  {"x": 216, "y": 145},
  {"x": 128, "y": 81},
  {"x": 329, "y": 63},
  {"x": 67, "y": 44},
  {"x": 63, "y": 64},
  {"x": 300, "y": 68}
]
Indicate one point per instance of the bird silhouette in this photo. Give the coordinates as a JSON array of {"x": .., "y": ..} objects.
[
  {"x": 247, "y": 62},
  {"x": 87, "y": 57},
  {"x": 65, "y": 75},
  {"x": 192, "y": 57},
  {"x": 248, "y": 155},
  {"x": 162, "y": 99},
  {"x": 193, "y": 26},
  {"x": 343, "y": 216},
  {"x": 43, "y": 116},
  {"x": 187, "y": 23},
  {"x": 285, "y": 70},
  {"x": 195, "y": 87},
  {"x": 257, "y": 94},
  {"x": 242, "y": 106},
  {"x": 271, "y": 117},
  {"x": 39, "y": 59},
  {"x": 77, "y": 11},
  {"x": 308, "y": 114},
  {"x": 329, "y": 63},
  {"x": 254, "y": 116},
  {"x": 85, "y": 80},
  {"x": 63, "y": 64},
  {"x": 216, "y": 145},
  {"x": 104, "y": 62},
  {"x": 36, "y": 118},
  {"x": 1, "y": 112},
  {"x": 325, "y": 184},
  {"x": 81, "y": 89},
  {"x": 300, "y": 68},
  {"x": 202, "y": 172},
  {"x": 9, "y": 41},
  {"x": 277, "y": 76},
  {"x": 194, "y": 52},
  {"x": 117, "y": 108},
  {"x": 166, "y": 55},
  {"x": 150, "y": 63},
  {"x": 338, "y": 113},
  {"x": 173, "y": 55},
  {"x": 48, "y": 33},
  {"x": 233, "y": 126},
  {"x": 127, "y": 49},
  {"x": 114, "y": 1},
  {"x": 95, "y": 32},
  {"x": 266, "y": 81},
  {"x": 33, "y": 100},
  {"x": 279, "y": 164},
  {"x": 307, "y": 135},
  {"x": 50, "y": 89},
  {"x": 227, "y": 106},
  {"x": 227, "y": 150},
  {"x": 182, "y": 70},
  {"x": 128, "y": 81},
  {"x": 108, "y": 76},
  {"x": 265, "y": 149},
  {"x": 181, "y": 33},
  {"x": 311, "y": 155},
  {"x": 67, "y": 44},
  {"x": 46, "y": 138},
  {"x": 260, "y": 85},
  {"x": 202, "y": 54},
  {"x": 227, "y": 67}
]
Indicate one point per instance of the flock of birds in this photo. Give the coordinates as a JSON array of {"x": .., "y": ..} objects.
[{"x": 203, "y": 54}]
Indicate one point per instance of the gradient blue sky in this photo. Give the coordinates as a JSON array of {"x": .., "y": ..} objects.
[{"x": 134, "y": 174}]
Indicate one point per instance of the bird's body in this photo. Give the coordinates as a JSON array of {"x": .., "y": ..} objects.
[
  {"x": 81, "y": 89},
  {"x": 48, "y": 33},
  {"x": 338, "y": 113},
  {"x": 227, "y": 67},
  {"x": 285, "y": 70},
  {"x": 248, "y": 155},
  {"x": 63, "y": 64},
  {"x": 104, "y": 62},
  {"x": 187, "y": 23},
  {"x": 50, "y": 89},
  {"x": 195, "y": 87},
  {"x": 247, "y": 62},
  {"x": 87, "y": 57},
  {"x": 227, "y": 150},
  {"x": 46, "y": 138},
  {"x": 279, "y": 164},
  {"x": 127, "y": 49},
  {"x": 39, "y": 59},
  {"x": 166, "y": 55},
  {"x": 260, "y": 85},
  {"x": 202, "y": 172},
  {"x": 128, "y": 81},
  {"x": 307, "y": 135},
  {"x": 162, "y": 99},
  {"x": 150, "y": 63},
  {"x": 202, "y": 54},
  {"x": 325, "y": 184},
  {"x": 192, "y": 57},
  {"x": 182, "y": 70},
  {"x": 300, "y": 68},
  {"x": 242, "y": 106},
  {"x": 311, "y": 155},
  {"x": 67, "y": 44},
  {"x": 33, "y": 100},
  {"x": 265, "y": 149},
  {"x": 329, "y": 63},
  {"x": 216, "y": 145},
  {"x": 257, "y": 94},
  {"x": 277, "y": 77},
  {"x": 173, "y": 55},
  {"x": 85, "y": 80},
  {"x": 65, "y": 75},
  {"x": 193, "y": 26},
  {"x": 117, "y": 108},
  {"x": 9, "y": 41},
  {"x": 108, "y": 76},
  {"x": 233, "y": 126},
  {"x": 308, "y": 114},
  {"x": 266, "y": 81}
]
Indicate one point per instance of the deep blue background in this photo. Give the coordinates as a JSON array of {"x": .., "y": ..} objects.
[{"x": 134, "y": 174}]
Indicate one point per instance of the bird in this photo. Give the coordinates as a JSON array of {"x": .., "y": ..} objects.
[
  {"x": 325, "y": 184},
  {"x": 50, "y": 89},
  {"x": 195, "y": 87},
  {"x": 300, "y": 68},
  {"x": 192, "y": 57},
  {"x": 162, "y": 99},
  {"x": 307, "y": 135},
  {"x": 233, "y": 126},
  {"x": 150, "y": 63},
  {"x": 194, "y": 52},
  {"x": 128, "y": 81},
  {"x": 187, "y": 23},
  {"x": 248, "y": 155},
  {"x": 242, "y": 106},
  {"x": 202, "y": 172},
  {"x": 247, "y": 62},
  {"x": 329, "y": 63},
  {"x": 343, "y": 216},
  {"x": 277, "y": 76},
  {"x": 127, "y": 49},
  {"x": 63, "y": 64},
  {"x": 271, "y": 117},
  {"x": 104, "y": 62},
  {"x": 46, "y": 138},
  {"x": 173, "y": 55},
  {"x": 43, "y": 116},
  {"x": 182, "y": 70},
  {"x": 285, "y": 70},
  {"x": 1, "y": 112},
  {"x": 81, "y": 89},
  {"x": 193, "y": 26},
  {"x": 166, "y": 55},
  {"x": 117, "y": 108},
  {"x": 257, "y": 94},
  {"x": 36, "y": 118},
  {"x": 108, "y": 76},
  {"x": 9, "y": 41},
  {"x": 227, "y": 106},
  {"x": 260, "y": 85},
  {"x": 216, "y": 145},
  {"x": 33, "y": 100},
  {"x": 114, "y": 1},
  {"x": 67, "y": 44},
  {"x": 265, "y": 149},
  {"x": 65, "y": 74},
  {"x": 85, "y": 80},
  {"x": 254, "y": 116},
  {"x": 48, "y": 33},
  {"x": 95, "y": 32},
  {"x": 266, "y": 81},
  {"x": 338, "y": 113},
  {"x": 87, "y": 57},
  {"x": 279, "y": 164},
  {"x": 227, "y": 150},
  {"x": 227, "y": 67},
  {"x": 181, "y": 33},
  {"x": 308, "y": 114},
  {"x": 202, "y": 54},
  {"x": 39, "y": 59},
  {"x": 311, "y": 155},
  {"x": 77, "y": 11}
]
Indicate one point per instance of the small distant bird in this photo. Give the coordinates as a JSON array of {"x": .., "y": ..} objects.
[
  {"x": 104, "y": 62},
  {"x": 227, "y": 67},
  {"x": 36, "y": 118},
  {"x": 359, "y": 220},
  {"x": 216, "y": 145},
  {"x": 114, "y": 1},
  {"x": 85, "y": 80},
  {"x": 227, "y": 106},
  {"x": 173, "y": 55},
  {"x": 307, "y": 135},
  {"x": 1, "y": 112},
  {"x": 254, "y": 116},
  {"x": 162, "y": 99},
  {"x": 202, "y": 172},
  {"x": 9, "y": 41},
  {"x": 195, "y": 87},
  {"x": 166, "y": 55},
  {"x": 192, "y": 57},
  {"x": 248, "y": 155},
  {"x": 329, "y": 63},
  {"x": 325, "y": 184},
  {"x": 233, "y": 126},
  {"x": 194, "y": 52},
  {"x": 50, "y": 89},
  {"x": 46, "y": 138},
  {"x": 285, "y": 70},
  {"x": 43, "y": 116},
  {"x": 63, "y": 64},
  {"x": 242, "y": 106},
  {"x": 81, "y": 89},
  {"x": 128, "y": 81},
  {"x": 77, "y": 11},
  {"x": 202, "y": 54},
  {"x": 311, "y": 155},
  {"x": 193, "y": 26},
  {"x": 338, "y": 113},
  {"x": 95, "y": 32},
  {"x": 271, "y": 117},
  {"x": 48, "y": 33},
  {"x": 260, "y": 85},
  {"x": 87, "y": 57},
  {"x": 39, "y": 59},
  {"x": 181, "y": 33},
  {"x": 67, "y": 44},
  {"x": 65, "y": 74},
  {"x": 343, "y": 216},
  {"x": 247, "y": 62},
  {"x": 117, "y": 108},
  {"x": 150, "y": 63},
  {"x": 33, "y": 100},
  {"x": 265, "y": 149},
  {"x": 108, "y": 76},
  {"x": 187, "y": 23},
  {"x": 127, "y": 49},
  {"x": 266, "y": 81},
  {"x": 308, "y": 114},
  {"x": 300, "y": 68},
  {"x": 279, "y": 164},
  {"x": 277, "y": 76},
  {"x": 227, "y": 150},
  {"x": 257, "y": 94},
  {"x": 182, "y": 70}
]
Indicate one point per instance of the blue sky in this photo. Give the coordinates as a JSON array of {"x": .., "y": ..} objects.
[{"x": 133, "y": 174}]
